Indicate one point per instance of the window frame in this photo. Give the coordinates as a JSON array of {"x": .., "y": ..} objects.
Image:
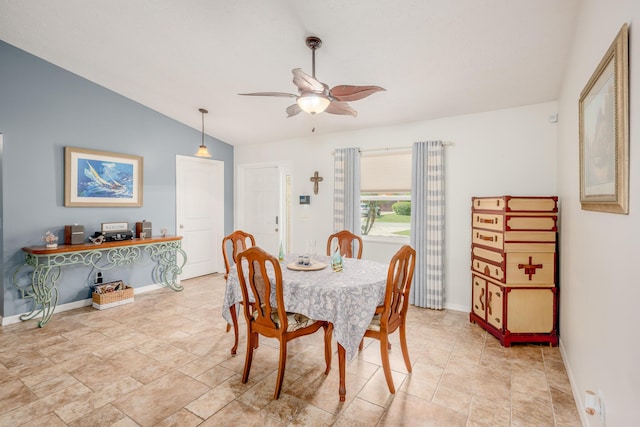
[{"x": 406, "y": 197}]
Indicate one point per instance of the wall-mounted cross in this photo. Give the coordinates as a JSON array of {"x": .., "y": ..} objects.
[
  {"x": 315, "y": 179},
  {"x": 530, "y": 268}
]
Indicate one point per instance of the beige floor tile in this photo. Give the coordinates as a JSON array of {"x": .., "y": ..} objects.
[
  {"x": 157, "y": 400},
  {"x": 286, "y": 408},
  {"x": 407, "y": 410},
  {"x": 212, "y": 376},
  {"x": 453, "y": 399},
  {"x": 564, "y": 408},
  {"x": 50, "y": 371},
  {"x": 100, "y": 376},
  {"x": 531, "y": 410},
  {"x": 423, "y": 381},
  {"x": 360, "y": 413},
  {"x": 25, "y": 364},
  {"x": 321, "y": 390},
  {"x": 77, "y": 409},
  {"x": 211, "y": 402},
  {"x": 48, "y": 387},
  {"x": 39, "y": 408},
  {"x": 49, "y": 420},
  {"x": 182, "y": 418},
  {"x": 103, "y": 416},
  {"x": 310, "y": 416},
  {"x": 487, "y": 412},
  {"x": 376, "y": 390},
  {"x": 14, "y": 394},
  {"x": 242, "y": 415}
]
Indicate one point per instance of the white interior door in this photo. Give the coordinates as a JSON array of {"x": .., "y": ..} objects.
[
  {"x": 261, "y": 204},
  {"x": 200, "y": 214}
]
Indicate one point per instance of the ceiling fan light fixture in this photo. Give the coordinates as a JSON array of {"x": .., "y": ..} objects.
[
  {"x": 313, "y": 103},
  {"x": 202, "y": 150}
]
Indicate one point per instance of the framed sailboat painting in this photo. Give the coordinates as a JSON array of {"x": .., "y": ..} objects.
[{"x": 101, "y": 179}]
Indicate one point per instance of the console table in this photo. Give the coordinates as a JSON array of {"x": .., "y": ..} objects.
[{"x": 166, "y": 252}]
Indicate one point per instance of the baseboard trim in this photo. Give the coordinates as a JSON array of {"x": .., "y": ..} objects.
[
  {"x": 456, "y": 307},
  {"x": 4, "y": 321},
  {"x": 577, "y": 395}
]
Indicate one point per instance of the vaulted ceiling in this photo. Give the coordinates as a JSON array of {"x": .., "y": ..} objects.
[{"x": 435, "y": 58}]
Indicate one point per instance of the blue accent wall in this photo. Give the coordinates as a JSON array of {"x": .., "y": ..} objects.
[{"x": 44, "y": 108}]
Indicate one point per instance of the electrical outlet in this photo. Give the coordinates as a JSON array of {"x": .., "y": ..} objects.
[
  {"x": 593, "y": 404},
  {"x": 98, "y": 278},
  {"x": 602, "y": 408}
]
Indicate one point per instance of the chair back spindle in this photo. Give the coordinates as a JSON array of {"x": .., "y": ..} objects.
[{"x": 346, "y": 241}]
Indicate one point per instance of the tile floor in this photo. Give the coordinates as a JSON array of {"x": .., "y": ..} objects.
[{"x": 164, "y": 360}]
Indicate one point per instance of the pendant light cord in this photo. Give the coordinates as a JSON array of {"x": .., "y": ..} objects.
[{"x": 203, "y": 111}]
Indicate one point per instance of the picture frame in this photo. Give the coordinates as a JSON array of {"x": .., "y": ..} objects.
[
  {"x": 95, "y": 178},
  {"x": 604, "y": 132}
]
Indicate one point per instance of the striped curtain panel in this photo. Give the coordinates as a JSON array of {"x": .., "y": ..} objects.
[
  {"x": 346, "y": 190},
  {"x": 427, "y": 224}
]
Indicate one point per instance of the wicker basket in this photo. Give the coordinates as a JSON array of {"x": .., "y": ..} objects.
[{"x": 112, "y": 299}]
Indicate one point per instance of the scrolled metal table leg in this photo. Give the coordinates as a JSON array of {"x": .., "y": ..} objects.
[
  {"x": 167, "y": 268},
  {"x": 44, "y": 293}
]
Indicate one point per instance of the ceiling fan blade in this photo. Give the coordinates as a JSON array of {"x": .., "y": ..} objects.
[
  {"x": 305, "y": 82},
  {"x": 341, "y": 108},
  {"x": 292, "y": 110},
  {"x": 353, "y": 93},
  {"x": 280, "y": 94}
]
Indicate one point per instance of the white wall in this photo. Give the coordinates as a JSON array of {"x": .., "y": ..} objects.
[
  {"x": 495, "y": 153},
  {"x": 600, "y": 285}
]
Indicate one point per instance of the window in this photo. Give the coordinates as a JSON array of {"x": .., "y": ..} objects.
[{"x": 385, "y": 193}]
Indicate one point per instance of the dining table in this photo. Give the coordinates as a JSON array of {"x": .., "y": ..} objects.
[{"x": 346, "y": 298}]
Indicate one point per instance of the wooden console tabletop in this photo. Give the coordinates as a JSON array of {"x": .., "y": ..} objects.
[{"x": 43, "y": 250}]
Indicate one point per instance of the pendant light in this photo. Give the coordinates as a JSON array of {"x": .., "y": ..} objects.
[{"x": 202, "y": 150}]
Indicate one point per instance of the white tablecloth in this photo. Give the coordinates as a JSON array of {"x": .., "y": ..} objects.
[{"x": 347, "y": 299}]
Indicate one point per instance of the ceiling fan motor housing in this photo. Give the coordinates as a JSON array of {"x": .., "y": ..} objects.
[{"x": 314, "y": 42}]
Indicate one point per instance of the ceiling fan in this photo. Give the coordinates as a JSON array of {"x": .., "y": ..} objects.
[{"x": 316, "y": 97}]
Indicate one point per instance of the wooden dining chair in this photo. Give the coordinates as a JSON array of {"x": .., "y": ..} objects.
[
  {"x": 345, "y": 239},
  {"x": 392, "y": 314},
  {"x": 268, "y": 320},
  {"x": 232, "y": 245}
]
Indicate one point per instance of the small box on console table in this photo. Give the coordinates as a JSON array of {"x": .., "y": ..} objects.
[
  {"x": 73, "y": 234},
  {"x": 143, "y": 227}
]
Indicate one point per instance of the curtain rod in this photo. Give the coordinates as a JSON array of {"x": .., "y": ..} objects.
[
  {"x": 369, "y": 150},
  {"x": 373, "y": 150}
]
